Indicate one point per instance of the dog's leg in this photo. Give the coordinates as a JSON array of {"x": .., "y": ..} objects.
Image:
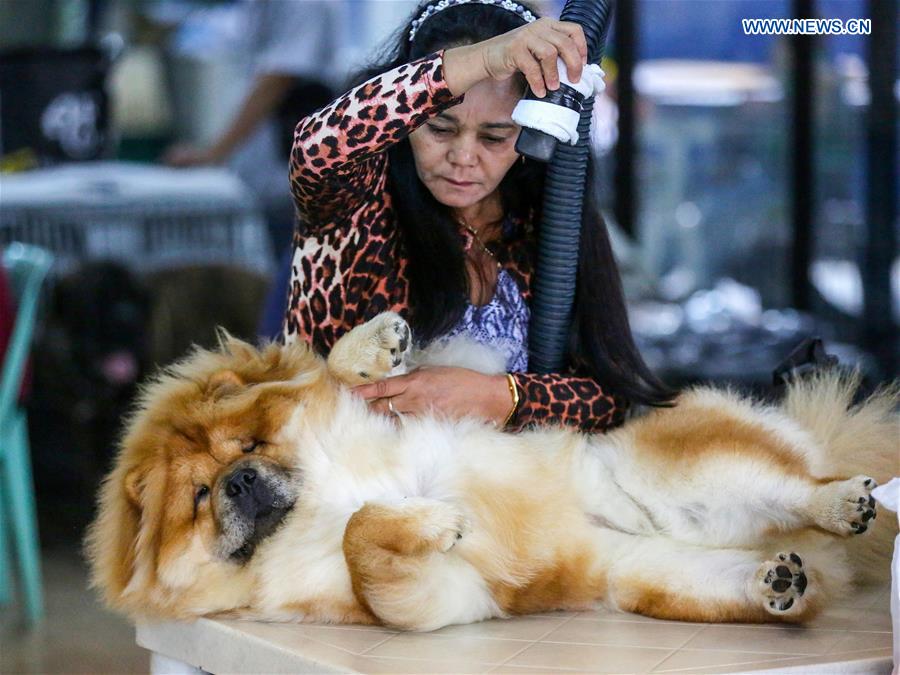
[
  {"x": 665, "y": 579},
  {"x": 371, "y": 351},
  {"x": 404, "y": 569},
  {"x": 744, "y": 504},
  {"x": 741, "y": 502},
  {"x": 725, "y": 496}
]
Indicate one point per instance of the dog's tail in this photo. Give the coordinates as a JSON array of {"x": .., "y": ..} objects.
[{"x": 860, "y": 438}]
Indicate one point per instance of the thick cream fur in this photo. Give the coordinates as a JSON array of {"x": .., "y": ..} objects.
[{"x": 423, "y": 522}]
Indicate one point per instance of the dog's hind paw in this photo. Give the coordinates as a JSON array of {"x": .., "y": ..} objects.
[
  {"x": 782, "y": 584},
  {"x": 846, "y": 507}
]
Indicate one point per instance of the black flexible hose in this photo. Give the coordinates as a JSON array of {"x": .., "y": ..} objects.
[{"x": 560, "y": 233}]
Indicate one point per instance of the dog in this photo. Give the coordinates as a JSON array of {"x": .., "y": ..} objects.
[
  {"x": 89, "y": 354},
  {"x": 253, "y": 484}
]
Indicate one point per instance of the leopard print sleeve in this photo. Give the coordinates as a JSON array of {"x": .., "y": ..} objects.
[
  {"x": 566, "y": 399},
  {"x": 338, "y": 153}
]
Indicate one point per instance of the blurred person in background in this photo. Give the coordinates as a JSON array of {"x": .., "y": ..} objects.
[{"x": 291, "y": 49}]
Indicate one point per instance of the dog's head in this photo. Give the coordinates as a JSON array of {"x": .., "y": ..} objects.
[{"x": 204, "y": 475}]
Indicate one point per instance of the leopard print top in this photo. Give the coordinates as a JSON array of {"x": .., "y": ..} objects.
[{"x": 347, "y": 263}]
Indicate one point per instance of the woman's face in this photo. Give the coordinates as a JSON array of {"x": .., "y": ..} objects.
[{"x": 462, "y": 154}]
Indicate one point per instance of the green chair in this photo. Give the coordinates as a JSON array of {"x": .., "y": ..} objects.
[{"x": 27, "y": 267}]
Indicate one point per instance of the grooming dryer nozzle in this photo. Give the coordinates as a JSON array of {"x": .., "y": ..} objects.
[{"x": 536, "y": 144}]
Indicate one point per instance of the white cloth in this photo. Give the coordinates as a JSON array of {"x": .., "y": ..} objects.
[
  {"x": 556, "y": 120},
  {"x": 888, "y": 495}
]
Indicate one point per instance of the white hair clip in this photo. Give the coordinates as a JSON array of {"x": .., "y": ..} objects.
[{"x": 431, "y": 10}]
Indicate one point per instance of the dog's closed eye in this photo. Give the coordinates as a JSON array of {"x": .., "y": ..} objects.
[
  {"x": 201, "y": 493},
  {"x": 251, "y": 446}
]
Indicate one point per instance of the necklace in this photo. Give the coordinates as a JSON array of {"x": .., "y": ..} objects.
[{"x": 484, "y": 248}]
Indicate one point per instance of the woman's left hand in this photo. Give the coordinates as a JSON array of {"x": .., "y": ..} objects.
[{"x": 452, "y": 392}]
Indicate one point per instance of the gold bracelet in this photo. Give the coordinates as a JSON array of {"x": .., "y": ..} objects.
[{"x": 514, "y": 393}]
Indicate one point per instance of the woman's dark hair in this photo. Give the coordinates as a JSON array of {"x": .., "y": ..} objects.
[{"x": 600, "y": 342}]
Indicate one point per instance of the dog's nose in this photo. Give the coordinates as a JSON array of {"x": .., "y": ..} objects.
[{"x": 240, "y": 482}]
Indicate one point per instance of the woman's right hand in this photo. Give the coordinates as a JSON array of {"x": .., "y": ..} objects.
[
  {"x": 185, "y": 155},
  {"x": 531, "y": 49}
]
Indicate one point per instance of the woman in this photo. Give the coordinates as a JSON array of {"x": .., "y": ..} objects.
[{"x": 412, "y": 198}]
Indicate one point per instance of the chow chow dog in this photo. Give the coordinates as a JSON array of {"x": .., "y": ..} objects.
[{"x": 253, "y": 484}]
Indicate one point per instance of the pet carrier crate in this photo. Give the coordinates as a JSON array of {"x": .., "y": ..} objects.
[
  {"x": 147, "y": 217},
  {"x": 53, "y": 104}
]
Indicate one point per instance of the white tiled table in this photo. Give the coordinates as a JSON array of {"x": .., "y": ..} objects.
[{"x": 854, "y": 637}]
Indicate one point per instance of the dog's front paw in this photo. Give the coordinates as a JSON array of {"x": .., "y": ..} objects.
[
  {"x": 392, "y": 334},
  {"x": 782, "y": 583},
  {"x": 846, "y": 507},
  {"x": 372, "y": 351}
]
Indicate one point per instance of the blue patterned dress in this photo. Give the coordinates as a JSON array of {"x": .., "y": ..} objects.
[{"x": 502, "y": 323}]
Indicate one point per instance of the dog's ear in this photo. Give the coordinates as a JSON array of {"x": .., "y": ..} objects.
[
  {"x": 235, "y": 347},
  {"x": 134, "y": 485},
  {"x": 224, "y": 382},
  {"x": 223, "y": 337}
]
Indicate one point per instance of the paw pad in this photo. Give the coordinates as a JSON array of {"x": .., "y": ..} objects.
[
  {"x": 866, "y": 507},
  {"x": 783, "y": 582},
  {"x": 847, "y": 506}
]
